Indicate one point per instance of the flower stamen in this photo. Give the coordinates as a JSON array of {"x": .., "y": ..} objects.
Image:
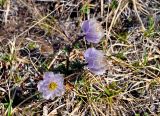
[{"x": 52, "y": 86}]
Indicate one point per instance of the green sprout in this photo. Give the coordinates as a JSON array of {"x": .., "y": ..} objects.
[
  {"x": 123, "y": 37},
  {"x": 2, "y": 2},
  {"x": 150, "y": 29},
  {"x": 114, "y": 4},
  {"x": 85, "y": 9},
  {"x": 32, "y": 45},
  {"x": 120, "y": 55},
  {"x": 145, "y": 59}
]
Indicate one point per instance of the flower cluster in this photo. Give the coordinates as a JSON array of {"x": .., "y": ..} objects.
[
  {"x": 95, "y": 58},
  {"x": 52, "y": 85}
]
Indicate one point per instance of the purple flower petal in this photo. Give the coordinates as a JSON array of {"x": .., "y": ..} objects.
[
  {"x": 96, "y": 61},
  {"x": 92, "y": 30},
  {"x": 85, "y": 26},
  {"x": 93, "y": 38},
  {"x": 49, "y": 92},
  {"x": 100, "y": 71},
  {"x": 48, "y": 75}
]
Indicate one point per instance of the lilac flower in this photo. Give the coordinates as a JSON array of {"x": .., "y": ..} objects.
[
  {"x": 52, "y": 85},
  {"x": 96, "y": 61},
  {"x": 92, "y": 30}
]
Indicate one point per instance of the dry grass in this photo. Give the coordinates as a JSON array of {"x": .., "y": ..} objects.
[{"x": 33, "y": 38}]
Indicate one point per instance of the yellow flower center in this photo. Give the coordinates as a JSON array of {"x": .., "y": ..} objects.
[{"x": 52, "y": 86}]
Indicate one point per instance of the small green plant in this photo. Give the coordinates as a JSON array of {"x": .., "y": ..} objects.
[
  {"x": 146, "y": 114},
  {"x": 136, "y": 64},
  {"x": 10, "y": 108},
  {"x": 137, "y": 114},
  {"x": 145, "y": 58},
  {"x": 123, "y": 37},
  {"x": 17, "y": 79},
  {"x": 5, "y": 57},
  {"x": 112, "y": 90},
  {"x": 114, "y": 4},
  {"x": 32, "y": 45},
  {"x": 85, "y": 9},
  {"x": 8, "y": 105},
  {"x": 150, "y": 29},
  {"x": 2, "y": 2},
  {"x": 120, "y": 55}
]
